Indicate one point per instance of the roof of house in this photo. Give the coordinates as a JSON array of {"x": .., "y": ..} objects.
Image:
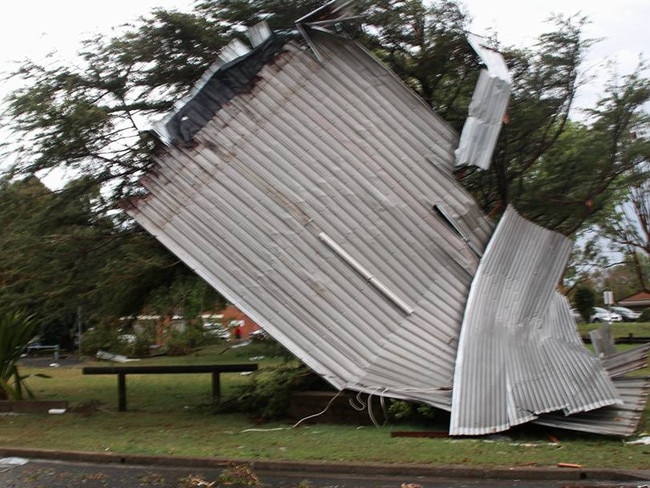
[
  {"x": 638, "y": 299},
  {"x": 320, "y": 201}
]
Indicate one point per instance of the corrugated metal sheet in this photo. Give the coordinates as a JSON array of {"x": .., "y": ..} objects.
[
  {"x": 627, "y": 361},
  {"x": 520, "y": 355},
  {"x": 232, "y": 74},
  {"x": 617, "y": 420},
  {"x": 341, "y": 149},
  {"x": 486, "y": 111}
]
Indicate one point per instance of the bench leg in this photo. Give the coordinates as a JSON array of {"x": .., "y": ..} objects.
[
  {"x": 121, "y": 392},
  {"x": 216, "y": 387}
]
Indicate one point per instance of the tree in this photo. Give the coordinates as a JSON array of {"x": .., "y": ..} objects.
[
  {"x": 622, "y": 279},
  {"x": 91, "y": 118},
  {"x": 629, "y": 225},
  {"x": 58, "y": 253},
  {"x": 584, "y": 301},
  {"x": 426, "y": 46}
]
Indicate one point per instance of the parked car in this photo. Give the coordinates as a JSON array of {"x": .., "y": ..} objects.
[
  {"x": 599, "y": 314},
  {"x": 213, "y": 329},
  {"x": 259, "y": 335},
  {"x": 627, "y": 314}
]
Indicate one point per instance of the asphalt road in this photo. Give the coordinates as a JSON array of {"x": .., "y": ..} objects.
[{"x": 16, "y": 472}]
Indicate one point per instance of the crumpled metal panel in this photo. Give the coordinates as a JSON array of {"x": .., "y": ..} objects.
[
  {"x": 627, "y": 361},
  {"x": 617, "y": 420},
  {"x": 519, "y": 354},
  {"x": 315, "y": 193},
  {"x": 320, "y": 203},
  {"x": 232, "y": 74},
  {"x": 486, "y": 111}
]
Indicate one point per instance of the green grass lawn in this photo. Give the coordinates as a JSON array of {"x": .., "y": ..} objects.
[
  {"x": 172, "y": 415},
  {"x": 619, "y": 329}
]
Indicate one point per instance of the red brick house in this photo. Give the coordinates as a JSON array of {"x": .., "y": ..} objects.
[
  {"x": 639, "y": 301},
  {"x": 235, "y": 319}
]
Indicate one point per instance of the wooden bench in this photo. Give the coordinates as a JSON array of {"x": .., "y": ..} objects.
[{"x": 122, "y": 371}]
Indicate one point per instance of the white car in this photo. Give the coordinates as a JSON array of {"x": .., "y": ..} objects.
[
  {"x": 599, "y": 314},
  {"x": 627, "y": 314},
  {"x": 217, "y": 330}
]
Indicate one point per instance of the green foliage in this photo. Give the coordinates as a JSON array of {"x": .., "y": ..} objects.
[
  {"x": 16, "y": 330},
  {"x": 645, "y": 316},
  {"x": 59, "y": 253},
  {"x": 268, "y": 396},
  {"x": 181, "y": 343},
  {"x": 87, "y": 116},
  {"x": 113, "y": 337},
  {"x": 405, "y": 411},
  {"x": 238, "y": 14},
  {"x": 107, "y": 336},
  {"x": 185, "y": 294},
  {"x": 584, "y": 301},
  {"x": 400, "y": 410},
  {"x": 425, "y": 45}
]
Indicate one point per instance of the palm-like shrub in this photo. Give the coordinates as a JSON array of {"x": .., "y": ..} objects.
[{"x": 16, "y": 330}]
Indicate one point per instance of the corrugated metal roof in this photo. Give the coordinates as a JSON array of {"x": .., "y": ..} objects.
[
  {"x": 321, "y": 204},
  {"x": 520, "y": 355},
  {"x": 315, "y": 193},
  {"x": 486, "y": 111}
]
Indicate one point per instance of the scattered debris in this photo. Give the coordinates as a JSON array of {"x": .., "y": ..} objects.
[
  {"x": 118, "y": 358},
  {"x": 193, "y": 481},
  {"x": 13, "y": 461},
  {"x": 643, "y": 441},
  {"x": 238, "y": 474}
]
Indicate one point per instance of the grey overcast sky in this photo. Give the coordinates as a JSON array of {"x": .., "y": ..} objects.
[{"x": 33, "y": 29}]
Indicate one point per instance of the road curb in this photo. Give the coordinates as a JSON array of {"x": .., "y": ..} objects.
[{"x": 313, "y": 469}]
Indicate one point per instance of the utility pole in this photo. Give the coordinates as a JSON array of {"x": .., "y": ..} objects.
[{"x": 79, "y": 329}]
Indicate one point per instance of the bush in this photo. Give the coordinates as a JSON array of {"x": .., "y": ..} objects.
[
  {"x": 177, "y": 344},
  {"x": 645, "y": 316},
  {"x": 268, "y": 396},
  {"x": 405, "y": 411},
  {"x": 111, "y": 337},
  {"x": 584, "y": 300},
  {"x": 181, "y": 343},
  {"x": 103, "y": 337}
]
